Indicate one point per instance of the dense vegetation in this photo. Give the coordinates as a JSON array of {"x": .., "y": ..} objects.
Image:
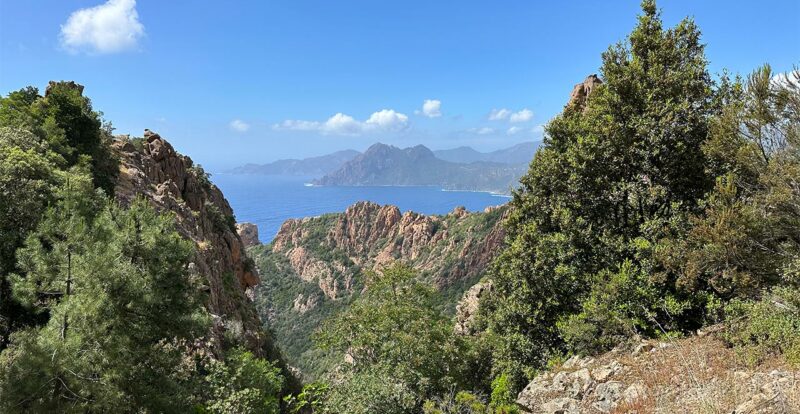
[
  {"x": 98, "y": 309},
  {"x": 663, "y": 197},
  {"x": 665, "y": 202}
]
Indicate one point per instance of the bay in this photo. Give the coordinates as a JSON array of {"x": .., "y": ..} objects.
[{"x": 268, "y": 200}]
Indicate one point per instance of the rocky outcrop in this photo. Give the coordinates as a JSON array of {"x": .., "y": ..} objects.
[
  {"x": 448, "y": 248},
  {"x": 248, "y": 232},
  {"x": 689, "y": 375},
  {"x": 581, "y": 91},
  {"x": 467, "y": 308},
  {"x": 67, "y": 84},
  {"x": 173, "y": 183}
]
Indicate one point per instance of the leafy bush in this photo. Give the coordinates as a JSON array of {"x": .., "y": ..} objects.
[
  {"x": 401, "y": 350},
  {"x": 311, "y": 399},
  {"x": 767, "y": 327},
  {"x": 242, "y": 384}
]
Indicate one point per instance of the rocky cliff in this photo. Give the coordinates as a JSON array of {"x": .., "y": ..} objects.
[
  {"x": 173, "y": 183},
  {"x": 315, "y": 266},
  {"x": 447, "y": 249}
]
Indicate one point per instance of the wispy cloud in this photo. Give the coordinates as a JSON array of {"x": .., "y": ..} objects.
[
  {"x": 499, "y": 114},
  {"x": 482, "y": 131},
  {"x": 239, "y": 126},
  {"x": 386, "y": 120},
  {"x": 108, "y": 28},
  {"x": 514, "y": 130},
  {"x": 502, "y": 114}
]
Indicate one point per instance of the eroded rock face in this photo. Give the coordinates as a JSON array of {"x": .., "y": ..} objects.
[
  {"x": 248, "y": 232},
  {"x": 582, "y": 90},
  {"x": 372, "y": 236},
  {"x": 170, "y": 182},
  {"x": 467, "y": 308}
]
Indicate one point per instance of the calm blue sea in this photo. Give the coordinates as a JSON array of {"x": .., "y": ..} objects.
[{"x": 268, "y": 201}]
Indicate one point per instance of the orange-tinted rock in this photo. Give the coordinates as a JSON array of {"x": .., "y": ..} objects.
[
  {"x": 582, "y": 90},
  {"x": 170, "y": 183}
]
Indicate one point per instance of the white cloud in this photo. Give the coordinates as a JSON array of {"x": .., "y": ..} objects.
[
  {"x": 341, "y": 124},
  {"x": 785, "y": 79},
  {"x": 108, "y": 28},
  {"x": 386, "y": 120},
  {"x": 538, "y": 129},
  {"x": 524, "y": 115},
  {"x": 432, "y": 108},
  {"x": 502, "y": 114},
  {"x": 499, "y": 114},
  {"x": 239, "y": 126},
  {"x": 514, "y": 130},
  {"x": 482, "y": 131}
]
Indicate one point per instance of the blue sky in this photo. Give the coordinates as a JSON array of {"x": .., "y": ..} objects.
[{"x": 253, "y": 81}]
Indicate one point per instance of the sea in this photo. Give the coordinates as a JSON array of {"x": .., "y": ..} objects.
[{"x": 268, "y": 200}]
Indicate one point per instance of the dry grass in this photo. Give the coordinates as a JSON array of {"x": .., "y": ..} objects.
[{"x": 700, "y": 375}]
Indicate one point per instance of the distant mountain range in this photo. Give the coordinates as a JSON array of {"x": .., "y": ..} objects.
[
  {"x": 383, "y": 164},
  {"x": 312, "y": 167},
  {"x": 518, "y": 154},
  {"x": 461, "y": 168}
]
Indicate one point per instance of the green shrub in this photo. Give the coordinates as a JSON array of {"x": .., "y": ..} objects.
[
  {"x": 202, "y": 176},
  {"x": 767, "y": 327},
  {"x": 242, "y": 384},
  {"x": 221, "y": 221}
]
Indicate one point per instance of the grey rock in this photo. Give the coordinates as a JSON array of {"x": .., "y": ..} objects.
[
  {"x": 561, "y": 406},
  {"x": 634, "y": 392},
  {"x": 608, "y": 395},
  {"x": 605, "y": 372}
]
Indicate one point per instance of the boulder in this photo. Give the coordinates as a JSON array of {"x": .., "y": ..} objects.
[
  {"x": 608, "y": 395},
  {"x": 561, "y": 406},
  {"x": 248, "y": 232}
]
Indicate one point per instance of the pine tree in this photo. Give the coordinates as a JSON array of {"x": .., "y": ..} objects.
[{"x": 121, "y": 310}]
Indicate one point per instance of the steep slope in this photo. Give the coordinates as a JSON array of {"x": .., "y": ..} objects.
[
  {"x": 315, "y": 266},
  {"x": 383, "y": 164},
  {"x": 518, "y": 154},
  {"x": 171, "y": 182},
  {"x": 312, "y": 167}
]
